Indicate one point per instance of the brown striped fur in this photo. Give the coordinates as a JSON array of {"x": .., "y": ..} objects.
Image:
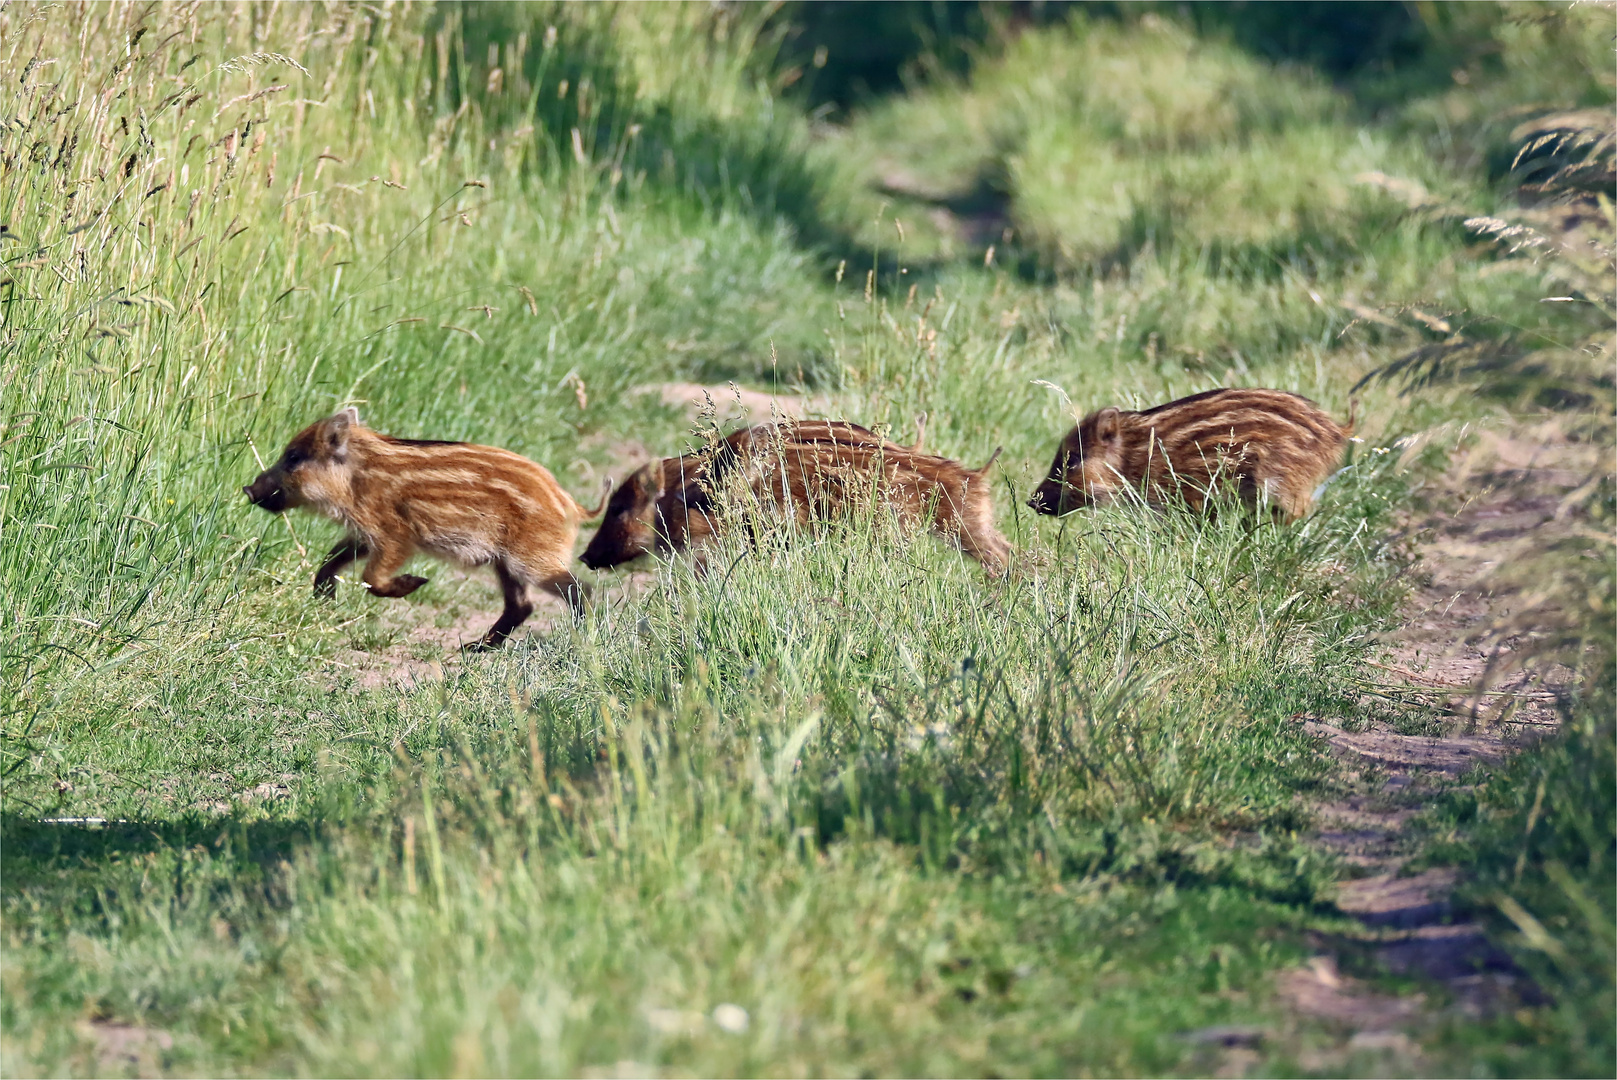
[
  {"x": 468, "y": 504},
  {"x": 807, "y": 471},
  {"x": 1266, "y": 445}
]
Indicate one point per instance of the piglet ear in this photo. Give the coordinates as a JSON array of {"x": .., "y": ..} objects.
[
  {"x": 338, "y": 427},
  {"x": 1108, "y": 425},
  {"x": 648, "y": 480}
]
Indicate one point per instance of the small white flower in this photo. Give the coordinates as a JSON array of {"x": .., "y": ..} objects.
[{"x": 731, "y": 1018}]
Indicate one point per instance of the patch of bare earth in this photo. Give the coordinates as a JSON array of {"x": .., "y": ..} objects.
[
  {"x": 403, "y": 644},
  {"x": 976, "y": 214},
  {"x": 126, "y": 1049},
  {"x": 1466, "y": 649},
  {"x": 730, "y": 403},
  {"x": 623, "y": 456},
  {"x": 267, "y": 792}
]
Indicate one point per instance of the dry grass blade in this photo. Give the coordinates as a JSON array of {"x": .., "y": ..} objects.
[{"x": 248, "y": 61}]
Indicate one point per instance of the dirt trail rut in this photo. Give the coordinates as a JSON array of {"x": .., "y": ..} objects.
[{"x": 1457, "y": 651}]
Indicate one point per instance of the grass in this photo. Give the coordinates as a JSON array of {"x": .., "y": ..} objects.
[
  {"x": 906, "y": 819},
  {"x": 1537, "y": 838}
]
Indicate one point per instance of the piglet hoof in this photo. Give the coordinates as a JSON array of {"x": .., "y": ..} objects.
[
  {"x": 486, "y": 644},
  {"x": 401, "y": 586},
  {"x": 325, "y": 588}
]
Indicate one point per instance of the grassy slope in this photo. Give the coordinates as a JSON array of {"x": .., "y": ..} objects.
[{"x": 911, "y": 821}]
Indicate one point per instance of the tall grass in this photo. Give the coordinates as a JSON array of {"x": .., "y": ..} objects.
[{"x": 210, "y": 244}]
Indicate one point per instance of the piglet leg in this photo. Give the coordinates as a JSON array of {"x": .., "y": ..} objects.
[
  {"x": 380, "y": 571},
  {"x": 347, "y": 550},
  {"x": 517, "y": 609}
]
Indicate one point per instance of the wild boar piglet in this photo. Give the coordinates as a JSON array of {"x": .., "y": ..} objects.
[
  {"x": 467, "y": 504},
  {"x": 1268, "y": 446},
  {"x": 806, "y": 471}
]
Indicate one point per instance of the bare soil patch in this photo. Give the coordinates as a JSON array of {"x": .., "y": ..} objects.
[
  {"x": 976, "y": 214},
  {"x": 1473, "y": 623},
  {"x": 734, "y": 404},
  {"x": 405, "y": 644},
  {"x": 127, "y": 1049},
  {"x": 623, "y": 456}
]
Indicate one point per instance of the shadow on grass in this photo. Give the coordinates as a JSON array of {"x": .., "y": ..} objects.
[
  {"x": 71, "y": 865},
  {"x": 713, "y": 146}
]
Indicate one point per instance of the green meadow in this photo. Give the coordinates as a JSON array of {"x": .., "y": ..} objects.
[{"x": 842, "y": 805}]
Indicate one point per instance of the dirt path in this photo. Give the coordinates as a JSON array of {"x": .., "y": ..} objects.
[
  {"x": 1459, "y": 651},
  {"x": 402, "y": 645},
  {"x": 732, "y": 404}
]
